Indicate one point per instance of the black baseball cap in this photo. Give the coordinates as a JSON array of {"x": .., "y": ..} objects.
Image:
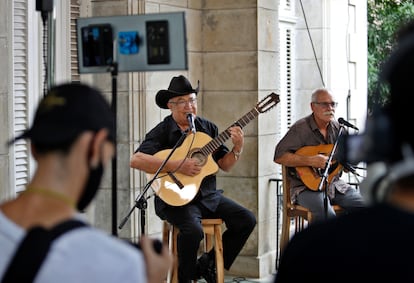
[{"x": 66, "y": 111}]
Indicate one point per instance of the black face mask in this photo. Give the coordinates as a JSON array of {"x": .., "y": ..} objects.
[{"x": 91, "y": 187}]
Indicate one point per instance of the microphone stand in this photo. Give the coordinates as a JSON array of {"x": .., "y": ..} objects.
[
  {"x": 323, "y": 185},
  {"x": 141, "y": 200}
]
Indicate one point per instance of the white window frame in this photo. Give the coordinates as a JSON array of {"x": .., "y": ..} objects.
[{"x": 29, "y": 77}]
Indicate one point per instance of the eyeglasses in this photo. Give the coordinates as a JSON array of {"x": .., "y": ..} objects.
[
  {"x": 183, "y": 103},
  {"x": 326, "y": 104}
]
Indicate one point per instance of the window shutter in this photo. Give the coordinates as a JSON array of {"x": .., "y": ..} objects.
[
  {"x": 288, "y": 82},
  {"x": 286, "y": 75},
  {"x": 287, "y": 24},
  {"x": 20, "y": 89},
  {"x": 74, "y": 14}
]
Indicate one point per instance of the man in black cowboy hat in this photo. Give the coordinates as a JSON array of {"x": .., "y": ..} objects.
[{"x": 208, "y": 202}]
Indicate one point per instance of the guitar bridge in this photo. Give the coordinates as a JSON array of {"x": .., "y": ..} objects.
[
  {"x": 320, "y": 173},
  {"x": 175, "y": 180}
]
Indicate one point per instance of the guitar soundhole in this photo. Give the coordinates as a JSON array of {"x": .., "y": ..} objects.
[{"x": 201, "y": 158}]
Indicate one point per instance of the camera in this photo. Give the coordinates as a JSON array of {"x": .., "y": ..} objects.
[
  {"x": 377, "y": 143},
  {"x": 156, "y": 244}
]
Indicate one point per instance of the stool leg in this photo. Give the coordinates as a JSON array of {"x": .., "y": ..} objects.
[
  {"x": 218, "y": 247},
  {"x": 168, "y": 240},
  {"x": 208, "y": 243},
  {"x": 174, "y": 277}
]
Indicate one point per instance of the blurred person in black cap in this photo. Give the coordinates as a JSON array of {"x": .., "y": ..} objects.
[
  {"x": 375, "y": 243},
  {"x": 72, "y": 139},
  {"x": 208, "y": 202}
]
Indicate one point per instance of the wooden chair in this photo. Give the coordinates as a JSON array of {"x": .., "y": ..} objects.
[
  {"x": 212, "y": 237},
  {"x": 300, "y": 215}
]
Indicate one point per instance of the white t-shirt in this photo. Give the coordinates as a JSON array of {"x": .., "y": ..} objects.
[{"x": 82, "y": 255}]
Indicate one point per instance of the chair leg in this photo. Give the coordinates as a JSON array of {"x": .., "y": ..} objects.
[
  {"x": 297, "y": 224},
  {"x": 284, "y": 239}
]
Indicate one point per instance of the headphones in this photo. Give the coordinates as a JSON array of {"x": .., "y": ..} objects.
[
  {"x": 386, "y": 145},
  {"x": 380, "y": 178}
]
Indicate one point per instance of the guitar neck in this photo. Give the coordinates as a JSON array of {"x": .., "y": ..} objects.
[{"x": 225, "y": 135}]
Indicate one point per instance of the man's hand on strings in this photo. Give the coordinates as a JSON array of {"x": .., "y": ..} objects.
[
  {"x": 319, "y": 161},
  {"x": 190, "y": 167},
  {"x": 236, "y": 135}
]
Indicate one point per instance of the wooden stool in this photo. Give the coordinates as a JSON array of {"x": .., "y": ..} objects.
[{"x": 212, "y": 235}]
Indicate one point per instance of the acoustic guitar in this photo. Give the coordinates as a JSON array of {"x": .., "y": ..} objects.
[
  {"x": 178, "y": 189},
  {"x": 312, "y": 177}
]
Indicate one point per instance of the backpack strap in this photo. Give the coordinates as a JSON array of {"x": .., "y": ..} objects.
[{"x": 33, "y": 250}]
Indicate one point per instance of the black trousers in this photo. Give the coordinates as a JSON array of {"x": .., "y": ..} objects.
[{"x": 239, "y": 222}]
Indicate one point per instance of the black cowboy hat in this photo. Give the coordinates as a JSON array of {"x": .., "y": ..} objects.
[{"x": 178, "y": 86}]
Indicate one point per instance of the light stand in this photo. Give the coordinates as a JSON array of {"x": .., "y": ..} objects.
[
  {"x": 323, "y": 185},
  {"x": 150, "y": 42},
  {"x": 46, "y": 11},
  {"x": 114, "y": 73}
]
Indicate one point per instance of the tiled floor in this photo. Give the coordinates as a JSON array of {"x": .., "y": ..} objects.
[{"x": 231, "y": 279}]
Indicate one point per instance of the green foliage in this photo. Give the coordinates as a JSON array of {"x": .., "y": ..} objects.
[{"x": 385, "y": 17}]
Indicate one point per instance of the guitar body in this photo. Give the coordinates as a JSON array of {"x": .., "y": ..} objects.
[
  {"x": 167, "y": 189},
  {"x": 312, "y": 177}
]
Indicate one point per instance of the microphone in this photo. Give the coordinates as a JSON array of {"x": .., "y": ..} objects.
[
  {"x": 191, "y": 124},
  {"x": 346, "y": 123}
]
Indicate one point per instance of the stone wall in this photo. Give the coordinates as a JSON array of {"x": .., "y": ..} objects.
[
  {"x": 5, "y": 110},
  {"x": 225, "y": 54}
]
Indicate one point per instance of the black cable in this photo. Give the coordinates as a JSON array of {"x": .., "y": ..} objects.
[{"x": 313, "y": 48}]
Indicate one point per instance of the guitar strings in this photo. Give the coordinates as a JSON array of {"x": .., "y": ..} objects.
[{"x": 179, "y": 166}]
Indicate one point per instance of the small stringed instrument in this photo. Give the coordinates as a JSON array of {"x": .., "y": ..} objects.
[
  {"x": 310, "y": 176},
  {"x": 178, "y": 189}
]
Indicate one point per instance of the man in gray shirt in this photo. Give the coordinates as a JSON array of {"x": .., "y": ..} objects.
[{"x": 299, "y": 148}]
